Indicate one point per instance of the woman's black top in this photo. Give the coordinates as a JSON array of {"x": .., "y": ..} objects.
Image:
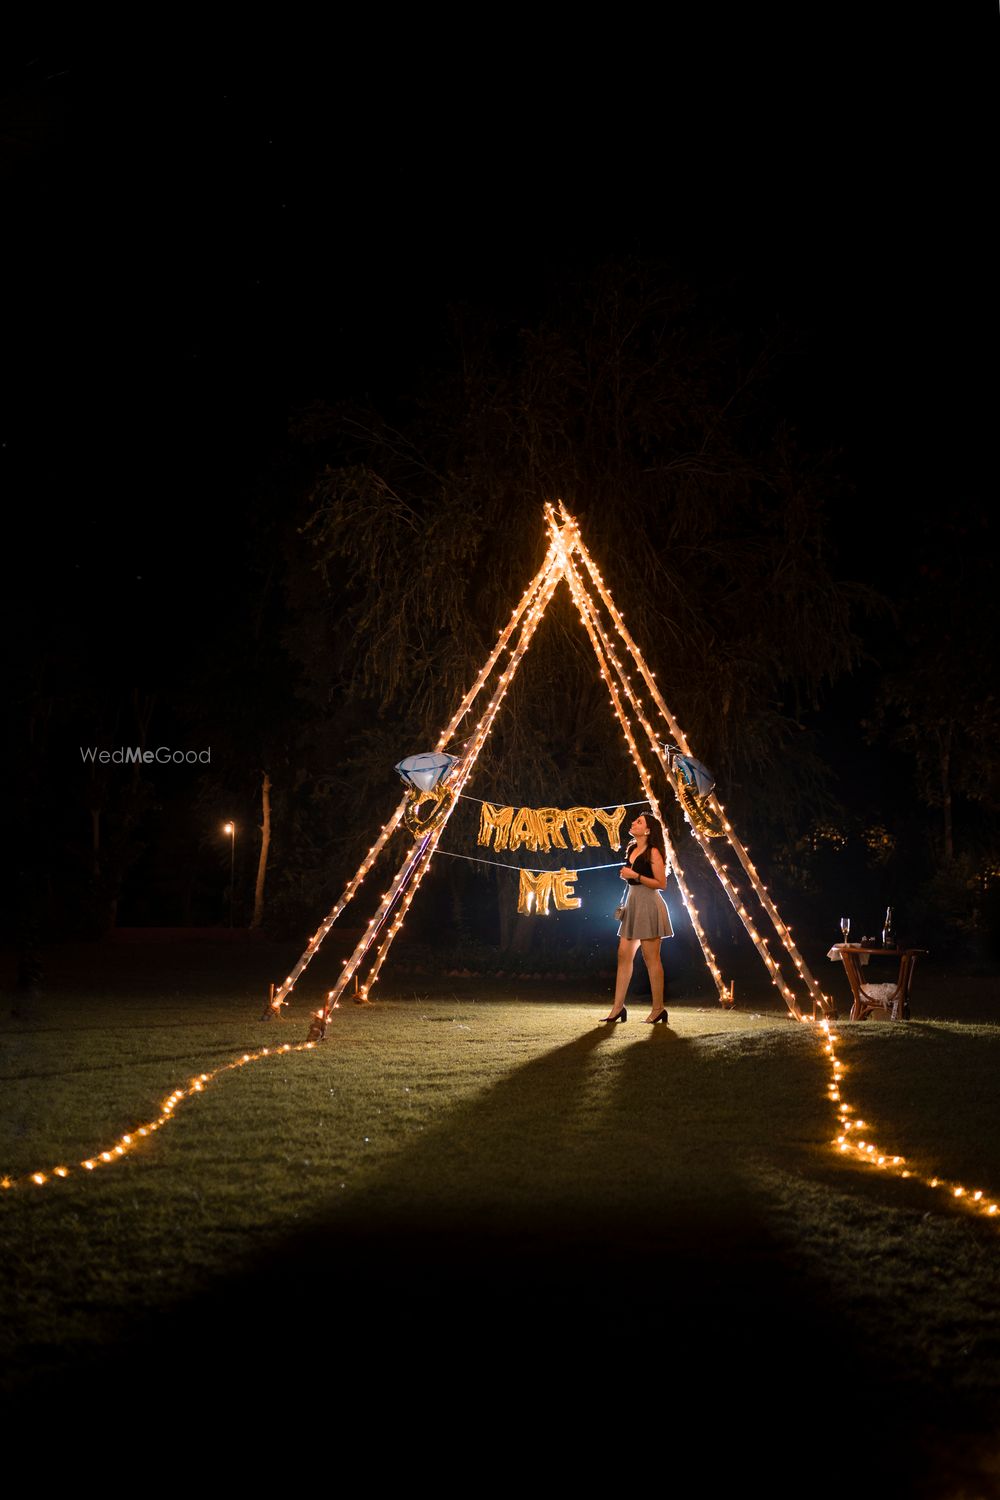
[{"x": 642, "y": 864}]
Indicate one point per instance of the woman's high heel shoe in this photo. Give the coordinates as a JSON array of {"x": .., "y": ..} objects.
[
  {"x": 621, "y": 1016},
  {"x": 662, "y": 1016}
]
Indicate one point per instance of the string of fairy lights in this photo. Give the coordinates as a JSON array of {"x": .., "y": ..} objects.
[
  {"x": 822, "y": 1003},
  {"x": 593, "y": 624},
  {"x": 460, "y": 775},
  {"x": 280, "y": 996},
  {"x": 572, "y": 578},
  {"x": 134, "y": 1138},
  {"x": 849, "y": 1140},
  {"x": 605, "y": 653},
  {"x": 679, "y": 736},
  {"x": 591, "y": 617}
]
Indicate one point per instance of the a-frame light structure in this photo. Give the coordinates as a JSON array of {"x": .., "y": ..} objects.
[{"x": 645, "y": 721}]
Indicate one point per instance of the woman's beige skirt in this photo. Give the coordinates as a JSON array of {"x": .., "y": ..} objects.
[{"x": 646, "y": 914}]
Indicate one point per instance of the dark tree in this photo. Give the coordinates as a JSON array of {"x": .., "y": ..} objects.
[{"x": 653, "y": 424}]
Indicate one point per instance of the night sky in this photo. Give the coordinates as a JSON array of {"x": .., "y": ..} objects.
[{"x": 201, "y": 242}]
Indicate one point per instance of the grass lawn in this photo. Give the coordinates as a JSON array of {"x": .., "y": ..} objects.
[{"x": 476, "y": 1204}]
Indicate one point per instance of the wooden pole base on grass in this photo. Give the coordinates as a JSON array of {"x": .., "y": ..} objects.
[
  {"x": 317, "y": 1028},
  {"x": 269, "y": 1012}
]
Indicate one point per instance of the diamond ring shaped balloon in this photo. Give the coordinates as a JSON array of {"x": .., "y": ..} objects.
[
  {"x": 698, "y": 777},
  {"x": 425, "y": 772},
  {"x": 694, "y": 783}
]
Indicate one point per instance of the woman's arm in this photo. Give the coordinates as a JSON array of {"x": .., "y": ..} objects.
[{"x": 658, "y": 880}]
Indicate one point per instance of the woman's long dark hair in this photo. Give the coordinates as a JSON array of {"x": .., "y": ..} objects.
[{"x": 654, "y": 839}]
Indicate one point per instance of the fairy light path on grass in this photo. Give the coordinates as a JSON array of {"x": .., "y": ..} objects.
[
  {"x": 853, "y": 1140},
  {"x": 139, "y": 1133}
]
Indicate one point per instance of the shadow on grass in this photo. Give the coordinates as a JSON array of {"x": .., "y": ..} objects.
[{"x": 563, "y": 1263}]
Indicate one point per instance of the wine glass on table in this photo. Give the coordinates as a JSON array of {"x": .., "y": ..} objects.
[{"x": 845, "y": 927}]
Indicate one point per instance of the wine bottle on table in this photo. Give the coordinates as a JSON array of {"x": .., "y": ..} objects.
[{"x": 888, "y": 931}]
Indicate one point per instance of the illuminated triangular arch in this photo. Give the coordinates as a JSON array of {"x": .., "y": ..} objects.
[{"x": 566, "y": 559}]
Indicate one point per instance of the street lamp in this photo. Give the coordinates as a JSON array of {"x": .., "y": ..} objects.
[{"x": 230, "y": 828}]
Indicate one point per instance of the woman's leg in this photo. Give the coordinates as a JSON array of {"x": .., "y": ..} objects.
[
  {"x": 626, "y": 957},
  {"x": 654, "y": 967}
]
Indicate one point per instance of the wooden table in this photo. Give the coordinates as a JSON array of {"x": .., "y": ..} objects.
[{"x": 891, "y": 1007}]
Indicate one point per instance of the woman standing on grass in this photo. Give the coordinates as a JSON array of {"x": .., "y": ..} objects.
[{"x": 646, "y": 919}]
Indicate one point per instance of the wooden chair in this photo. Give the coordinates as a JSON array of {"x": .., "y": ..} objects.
[{"x": 886, "y": 1002}]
